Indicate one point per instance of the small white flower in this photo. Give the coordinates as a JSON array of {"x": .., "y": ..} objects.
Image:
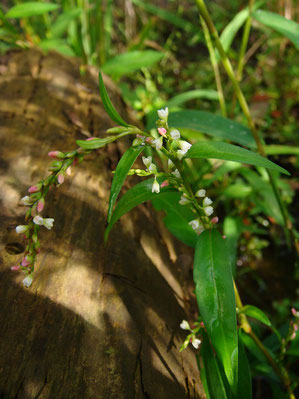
[
  {"x": 147, "y": 161},
  {"x": 38, "y": 220},
  {"x": 48, "y": 223},
  {"x": 183, "y": 200},
  {"x": 208, "y": 210},
  {"x": 194, "y": 224},
  {"x": 157, "y": 143},
  {"x": 163, "y": 114},
  {"x": 180, "y": 154},
  {"x": 200, "y": 193},
  {"x": 152, "y": 168},
  {"x": 155, "y": 187},
  {"x": 196, "y": 342},
  {"x": 184, "y": 145},
  {"x": 175, "y": 134},
  {"x": 185, "y": 325},
  {"x": 28, "y": 281},
  {"x": 26, "y": 201},
  {"x": 170, "y": 164},
  {"x": 177, "y": 174},
  {"x": 21, "y": 229},
  {"x": 207, "y": 201}
]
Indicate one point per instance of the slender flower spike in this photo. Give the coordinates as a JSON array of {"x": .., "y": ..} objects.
[
  {"x": 200, "y": 193},
  {"x": 163, "y": 114},
  {"x": 207, "y": 201},
  {"x": 38, "y": 220},
  {"x": 195, "y": 342},
  {"x": 162, "y": 131},
  {"x": 208, "y": 210},
  {"x": 48, "y": 223},
  {"x": 184, "y": 145},
  {"x": 185, "y": 325},
  {"x": 28, "y": 281},
  {"x": 26, "y": 201},
  {"x": 147, "y": 161},
  {"x": 157, "y": 143},
  {"x": 175, "y": 134},
  {"x": 21, "y": 229},
  {"x": 155, "y": 187}
]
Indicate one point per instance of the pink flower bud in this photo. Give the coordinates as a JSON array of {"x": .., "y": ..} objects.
[
  {"x": 165, "y": 183},
  {"x": 215, "y": 220},
  {"x": 202, "y": 324},
  {"x": 162, "y": 131},
  {"x": 224, "y": 237},
  {"x": 60, "y": 178},
  {"x": 295, "y": 327},
  {"x": 40, "y": 205},
  {"x": 25, "y": 262},
  {"x": 149, "y": 140},
  {"x": 69, "y": 171},
  {"x": 15, "y": 268},
  {"x": 56, "y": 154},
  {"x": 294, "y": 311},
  {"x": 35, "y": 189}
]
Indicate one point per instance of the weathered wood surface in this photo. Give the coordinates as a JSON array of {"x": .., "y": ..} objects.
[{"x": 98, "y": 322}]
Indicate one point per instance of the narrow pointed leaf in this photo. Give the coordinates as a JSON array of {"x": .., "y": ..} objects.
[
  {"x": 230, "y": 152},
  {"x": 244, "y": 374},
  {"x": 120, "y": 175},
  {"x": 98, "y": 143},
  {"x": 109, "y": 108},
  {"x": 177, "y": 217},
  {"x": 216, "y": 300},
  {"x": 135, "y": 196},
  {"x": 213, "y": 383},
  {"x": 61, "y": 24},
  {"x": 256, "y": 313},
  {"x": 30, "y": 9},
  {"x": 284, "y": 26}
]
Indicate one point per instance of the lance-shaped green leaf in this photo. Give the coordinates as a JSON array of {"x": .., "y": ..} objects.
[
  {"x": 61, "y": 24},
  {"x": 244, "y": 374},
  {"x": 230, "y": 152},
  {"x": 30, "y": 9},
  {"x": 98, "y": 143},
  {"x": 256, "y": 313},
  {"x": 120, "y": 175},
  {"x": 280, "y": 24},
  {"x": 210, "y": 374},
  {"x": 216, "y": 300},
  {"x": 177, "y": 217},
  {"x": 109, "y": 108},
  {"x": 135, "y": 196}
]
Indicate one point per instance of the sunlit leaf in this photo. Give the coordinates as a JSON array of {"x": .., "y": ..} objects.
[
  {"x": 229, "y": 152},
  {"x": 30, "y": 9},
  {"x": 121, "y": 171},
  {"x": 61, "y": 24},
  {"x": 216, "y": 300},
  {"x": 126, "y": 63},
  {"x": 59, "y": 45},
  {"x": 284, "y": 26},
  {"x": 256, "y": 313},
  {"x": 138, "y": 194},
  {"x": 191, "y": 95}
]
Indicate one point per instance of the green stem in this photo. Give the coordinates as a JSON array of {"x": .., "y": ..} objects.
[
  {"x": 215, "y": 67},
  {"x": 244, "y": 43},
  {"x": 243, "y": 103}
]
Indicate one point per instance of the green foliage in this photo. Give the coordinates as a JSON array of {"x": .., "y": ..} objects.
[
  {"x": 256, "y": 313},
  {"x": 30, "y": 9},
  {"x": 216, "y": 300}
]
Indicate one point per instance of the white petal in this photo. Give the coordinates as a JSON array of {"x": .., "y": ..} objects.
[
  {"x": 208, "y": 210},
  {"x": 26, "y": 201},
  {"x": 152, "y": 168},
  {"x": 175, "y": 134},
  {"x": 155, "y": 187},
  {"x": 180, "y": 154},
  {"x": 183, "y": 200},
  {"x": 48, "y": 223},
  {"x": 194, "y": 224},
  {"x": 170, "y": 164},
  {"x": 177, "y": 174},
  {"x": 38, "y": 220},
  {"x": 28, "y": 281},
  {"x": 207, "y": 201},
  {"x": 196, "y": 342},
  {"x": 157, "y": 143},
  {"x": 21, "y": 229},
  {"x": 185, "y": 325},
  {"x": 184, "y": 145},
  {"x": 200, "y": 193},
  {"x": 163, "y": 114},
  {"x": 147, "y": 161}
]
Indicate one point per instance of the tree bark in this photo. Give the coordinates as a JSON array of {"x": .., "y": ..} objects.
[{"x": 98, "y": 321}]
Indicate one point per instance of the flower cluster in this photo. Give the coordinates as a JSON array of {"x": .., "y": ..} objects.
[
  {"x": 191, "y": 338},
  {"x": 35, "y": 202}
]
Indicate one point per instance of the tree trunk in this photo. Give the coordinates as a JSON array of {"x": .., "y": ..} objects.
[{"x": 98, "y": 321}]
